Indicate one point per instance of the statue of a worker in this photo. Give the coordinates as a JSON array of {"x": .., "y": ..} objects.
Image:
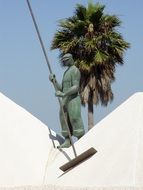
[{"x": 69, "y": 92}]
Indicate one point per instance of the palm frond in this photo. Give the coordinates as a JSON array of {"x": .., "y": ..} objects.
[
  {"x": 95, "y": 13},
  {"x": 93, "y": 8},
  {"x": 80, "y": 12},
  {"x": 101, "y": 57}
]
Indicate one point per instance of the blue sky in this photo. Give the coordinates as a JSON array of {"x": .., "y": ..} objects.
[{"x": 24, "y": 73}]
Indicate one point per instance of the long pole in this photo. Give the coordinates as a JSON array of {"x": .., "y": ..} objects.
[{"x": 50, "y": 70}]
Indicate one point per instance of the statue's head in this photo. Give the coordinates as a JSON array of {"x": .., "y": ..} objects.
[{"x": 67, "y": 59}]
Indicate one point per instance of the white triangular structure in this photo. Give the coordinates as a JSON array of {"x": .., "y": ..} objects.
[
  {"x": 118, "y": 138},
  {"x": 118, "y": 164},
  {"x": 25, "y": 146}
]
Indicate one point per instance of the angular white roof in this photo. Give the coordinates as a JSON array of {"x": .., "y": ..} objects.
[
  {"x": 29, "y": 160},
  {"x": 118, "y": 138},
  {"x": 25, "y": 144}
]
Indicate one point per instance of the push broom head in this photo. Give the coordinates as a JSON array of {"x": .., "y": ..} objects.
[{"x": 78, "y": 159}]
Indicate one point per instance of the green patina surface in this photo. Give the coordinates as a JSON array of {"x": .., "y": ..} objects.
[{"x": 69, "y": 92}]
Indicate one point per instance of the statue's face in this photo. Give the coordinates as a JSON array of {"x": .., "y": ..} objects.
[{"x": 67, "y": 62}]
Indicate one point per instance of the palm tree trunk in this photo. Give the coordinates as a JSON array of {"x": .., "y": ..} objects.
[{"x": 90, "y": 115}]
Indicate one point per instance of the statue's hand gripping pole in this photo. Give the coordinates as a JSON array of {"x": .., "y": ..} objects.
[{"x": 50, "y": 70}]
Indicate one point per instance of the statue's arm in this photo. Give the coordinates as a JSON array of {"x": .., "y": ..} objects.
[
  {"x": 75, "y": 83},
  {"x": 52, "y": 78},
  {"x": 58, "y": 85}
]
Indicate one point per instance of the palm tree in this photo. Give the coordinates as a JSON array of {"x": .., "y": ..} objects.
[{"x": 92, "y": 38}]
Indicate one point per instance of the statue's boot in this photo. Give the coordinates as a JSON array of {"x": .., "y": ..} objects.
[
  {"x": 66, "y": 144},
  {"x": 79, "y": 134},
  {"x": 79, "y": 137}
]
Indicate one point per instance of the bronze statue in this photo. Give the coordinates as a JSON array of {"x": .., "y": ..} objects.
[{"x": 69, "y": 92}]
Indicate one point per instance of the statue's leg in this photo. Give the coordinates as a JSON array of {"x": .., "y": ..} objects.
[
  {"x": 66, "y": 143},
  {"x": 74, "y": 112},
  {"x": 63, "y": 124}
]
